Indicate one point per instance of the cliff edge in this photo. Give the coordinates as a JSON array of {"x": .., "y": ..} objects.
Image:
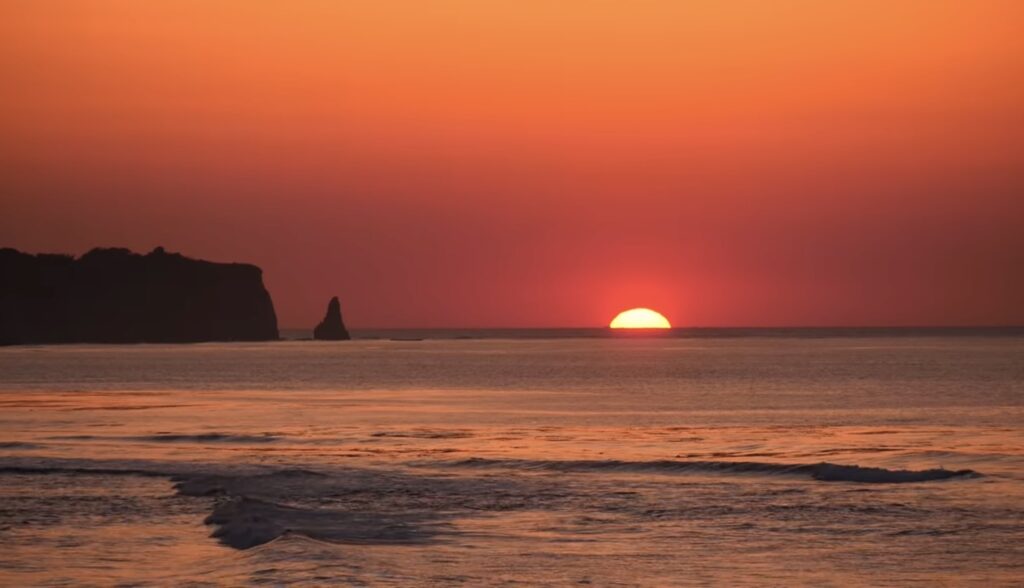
[{"x": 116, "y": 296}]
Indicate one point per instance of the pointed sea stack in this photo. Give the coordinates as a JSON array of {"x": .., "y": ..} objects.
[{"x": 332, "y": 328}]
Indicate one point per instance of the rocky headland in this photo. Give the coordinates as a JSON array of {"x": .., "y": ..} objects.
[{"x": 116, "y": 296}]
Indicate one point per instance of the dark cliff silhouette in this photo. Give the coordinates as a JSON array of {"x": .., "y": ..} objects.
[
  {"x": 116, "y": 296},
  {"x": 332, "y": 328}
]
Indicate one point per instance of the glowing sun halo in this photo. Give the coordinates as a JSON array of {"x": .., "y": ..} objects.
[{"x": 640, "y": 318}]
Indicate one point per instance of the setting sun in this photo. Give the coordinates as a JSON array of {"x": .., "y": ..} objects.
[{"x": 640, "y": 318}]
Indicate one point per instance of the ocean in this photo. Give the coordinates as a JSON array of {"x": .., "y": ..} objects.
[{"x": 519, "y": 458}]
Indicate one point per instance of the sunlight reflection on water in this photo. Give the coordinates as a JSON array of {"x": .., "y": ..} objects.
[{"x": 350, "y": 460}]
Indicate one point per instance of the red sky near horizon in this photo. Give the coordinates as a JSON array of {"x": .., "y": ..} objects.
[{"x": 532, "y": 163}]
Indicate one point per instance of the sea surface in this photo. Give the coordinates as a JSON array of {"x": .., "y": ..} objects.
[{"x": 507, "y": 458}]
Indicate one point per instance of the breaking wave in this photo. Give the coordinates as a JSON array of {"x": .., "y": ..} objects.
[
  {"x": 209, "y": 438},
  {"x": 244, "y": 516},
  {"x": 243, "y": 522},
  {"x": 249, "y": 509},
  {"x": 19, "y": 445},
  {"x": 252, "y": 506},
  {"x": 826, "y": 472},
  {"x": 84, "y": 471},
  {"x": 177, "y": 438}
]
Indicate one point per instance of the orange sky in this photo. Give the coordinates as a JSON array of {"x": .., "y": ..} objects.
[{"x": 536, "y": 163}]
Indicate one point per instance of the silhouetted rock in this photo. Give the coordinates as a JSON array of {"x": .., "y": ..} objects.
[
  {"x": 116, "y": 296},
  {"x": 332, "y": 328}
]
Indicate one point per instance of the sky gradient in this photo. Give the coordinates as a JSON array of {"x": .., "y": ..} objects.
[{"x": 535, "y": 163}]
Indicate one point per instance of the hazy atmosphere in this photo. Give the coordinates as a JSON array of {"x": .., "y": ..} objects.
[{"x": 474, "y": 164}]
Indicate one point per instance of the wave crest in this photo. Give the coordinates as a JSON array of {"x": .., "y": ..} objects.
[
  {"x": 825, "y": 472},
  {"x": 208, "y": 438}
]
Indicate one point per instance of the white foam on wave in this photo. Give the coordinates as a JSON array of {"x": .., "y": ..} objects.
[
  {"x": 244, "y": 520},
  {"x": 253, "y": 506}
]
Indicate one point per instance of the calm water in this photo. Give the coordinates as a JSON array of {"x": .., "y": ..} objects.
[{"x": 582, "y": 461}]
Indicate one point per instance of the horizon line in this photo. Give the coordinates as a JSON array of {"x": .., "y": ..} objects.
[{"x": 674, "y": 328}]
